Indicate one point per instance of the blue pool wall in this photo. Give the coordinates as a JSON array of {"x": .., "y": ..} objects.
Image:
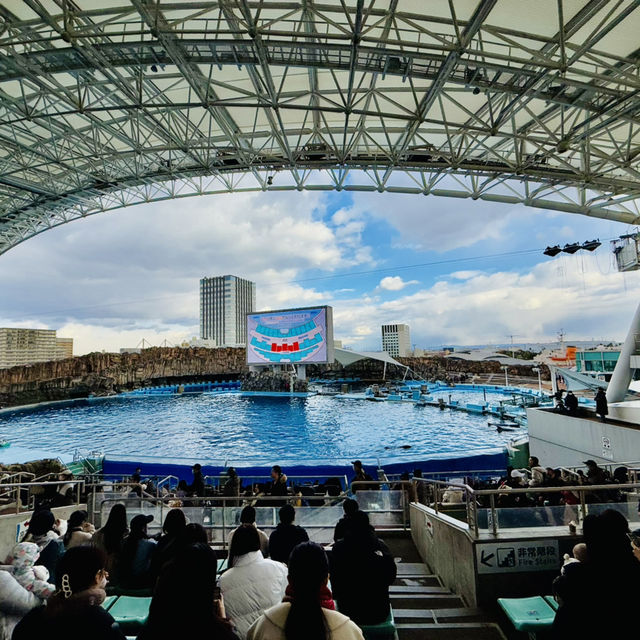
[{"x": 489, "y": 461}]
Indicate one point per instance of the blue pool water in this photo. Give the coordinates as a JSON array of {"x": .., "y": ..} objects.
[{"x": 258, "y": 429}]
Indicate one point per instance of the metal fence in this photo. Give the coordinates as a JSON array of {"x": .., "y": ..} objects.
[{"x": 23, "y": 496}]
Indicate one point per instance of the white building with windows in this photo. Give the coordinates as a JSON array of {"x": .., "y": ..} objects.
[
  {"x": 224, "y": 304},
  {"x": 396, "y": 340},
  {"x": 20, "y": 346}
]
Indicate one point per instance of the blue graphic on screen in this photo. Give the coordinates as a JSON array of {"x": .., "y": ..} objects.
[{"x": 296, "y": 336}]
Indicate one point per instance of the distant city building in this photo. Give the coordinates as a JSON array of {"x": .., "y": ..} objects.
[
  {"x": 600, "y": 360},
  {"x": 130, "y": 350},
  {"x": 64, "y": 347},
  {"x": 225, "y": 302},
  {"x": 26, "y": 346},
  {"x": 198, "y": 342},
  {"x": 396, "y": 340},
  {"x": 337, "y": 344}
]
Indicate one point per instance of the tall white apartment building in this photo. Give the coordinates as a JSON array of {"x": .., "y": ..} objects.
[
  {"x": 396, "y": 340},
  {"x": 25, "y": 346},
  {"x": 224, "y": 304}
]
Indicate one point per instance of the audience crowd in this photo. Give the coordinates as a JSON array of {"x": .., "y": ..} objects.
[{"x": 282, "y": 586}]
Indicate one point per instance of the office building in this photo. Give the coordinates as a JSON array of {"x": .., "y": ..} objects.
[
  {"x": 64, "y": 347},
  {"x": 224, "y": 303},
  {"x": 26, "y": 346},
  {"x": 396, "y": 340}
]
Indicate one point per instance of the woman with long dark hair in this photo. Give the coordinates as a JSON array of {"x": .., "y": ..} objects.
[
  {"x": 42, "y": 531},
  {"x": 110, "y": 538},
  {"x": 171, "y": 541},
  {"x": 137, "y": 552},
  {"x": 302, "y": 616},
  {"x": 79, "y": 530},
  {"x": 252, "y": 584},
  {"x": 74, "y": 611},
  {"x": 184, "y": 604},
  {"x": 362, "y": 568}
]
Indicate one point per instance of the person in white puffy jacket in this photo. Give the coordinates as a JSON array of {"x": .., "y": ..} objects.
[
  {"x": 253, "y": 583},
  {"x": 15, "y": 602}
]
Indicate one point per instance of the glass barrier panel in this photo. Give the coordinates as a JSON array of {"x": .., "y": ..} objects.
[
  {"x": 385, "y": 508},
  {"x": 516, "y": 517}
]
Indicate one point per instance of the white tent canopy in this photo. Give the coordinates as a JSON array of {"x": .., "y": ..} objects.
[{"x": 346, "y": 357}]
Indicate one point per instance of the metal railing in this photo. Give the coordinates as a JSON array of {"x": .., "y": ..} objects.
[
  {"x": 473, "y": 498},
  {"x": 21, "y": 493}
]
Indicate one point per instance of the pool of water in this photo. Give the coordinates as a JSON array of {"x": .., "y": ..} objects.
[{"x": 221, "y": 427}]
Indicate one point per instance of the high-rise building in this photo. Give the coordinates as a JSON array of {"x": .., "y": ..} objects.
[
  {"x": 224, "y": 303},
  {"x": 25, "y": 346},
  {"x": 64, "y": 347},
  {"x": 396, "y": 340}
]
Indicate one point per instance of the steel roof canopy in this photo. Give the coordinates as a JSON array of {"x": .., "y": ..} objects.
[{"x": 105, "y": 105}]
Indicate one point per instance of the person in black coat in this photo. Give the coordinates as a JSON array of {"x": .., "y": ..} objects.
[
  {"x": 74, "y": 611},
  {"x": 171, "y": 542},
  {"x": 362, "y": 569},
  {"x": 349, "y": 506},
  {"x": 600, "y": 594},
  {"x": 286, "y": 535},
  {"x": 196, "y": 488},
  {"x": 602, "y": 406}
]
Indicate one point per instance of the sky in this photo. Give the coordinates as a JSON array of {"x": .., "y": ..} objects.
[{"x": 457, "y": 271}]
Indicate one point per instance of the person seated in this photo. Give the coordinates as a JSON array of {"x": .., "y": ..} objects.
[
  {"x": 15, "y": 603},
  {"x": 602, "y": 588},
  {"x": 79, "y": 530},
  {"x": 248, "y": 517},
  {"x": 621, "y": 475},
  {"x": 110, "y": 538},
  {"x": 302, "y": 614},
  {"x": 362, "y": 568},
  {"x": 136, "y": 556},
  {"x": 571, "y": 404},
  {"x": 183, "y": 489},
  {"x": 538, "y": 473},
  {"x": 286, "y": 535},
  {"x": 595, "y": 474},
  {"x": 195, "y": 533},
  {"x": 362, "y": 476},
  {"x": 74, "y": 611},
  {"x": 171, "y": 540},
  {"x": 184, "y": 603},
  {"x": 349, "y": 506},
  {"x": 278, "y": 482},
  {"x": 42, "y": 531},
  {"x": 34, "y": 578},
  {"x": 252, "y": 583}
]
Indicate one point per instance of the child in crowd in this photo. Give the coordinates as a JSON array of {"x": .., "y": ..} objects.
[{"x": 579, "y": 555}]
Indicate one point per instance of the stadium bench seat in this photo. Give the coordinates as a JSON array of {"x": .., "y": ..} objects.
[
  {"x": 130, "y": 613},
  {"x": 108, "y": 602},
  {"x": 530, "y": 615},
  {"x": 552, "y": 602},
  {"x": 384, "y": 631}
]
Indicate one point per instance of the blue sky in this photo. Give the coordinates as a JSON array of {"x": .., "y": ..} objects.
[{"x": 112, "y": 279}]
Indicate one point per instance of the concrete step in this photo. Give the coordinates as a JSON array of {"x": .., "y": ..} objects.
[
  {"x": 449, "y": 631},
  {"x": 418, "y": 589},
  {"x": 417, "y": 581},
  {"x": 412, "y": 569},
  {"x": 425, "y": 601},
  {"x": 455, "y": 614}
]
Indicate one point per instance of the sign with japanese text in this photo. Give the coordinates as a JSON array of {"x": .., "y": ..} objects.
[{"x": 513, "y": 557}]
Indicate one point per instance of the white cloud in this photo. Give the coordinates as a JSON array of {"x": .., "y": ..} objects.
[
  {"x": 395, "y": 283},
  {"x": 135, "y": 272},
  {"x": 486, "y": 307}
]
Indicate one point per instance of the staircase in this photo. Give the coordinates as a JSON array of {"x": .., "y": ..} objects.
[{"x": 424, "y": 609}]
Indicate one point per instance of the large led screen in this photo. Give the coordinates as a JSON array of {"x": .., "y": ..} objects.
[{"x": 296, "y": 336}]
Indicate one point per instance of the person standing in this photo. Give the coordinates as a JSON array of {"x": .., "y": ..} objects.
[
  {"x": 602, "y": 406},
  {"x": 361, "y": 476},
  {"x": 278, "y": 482},
  {"x": 197, "y": 486}
]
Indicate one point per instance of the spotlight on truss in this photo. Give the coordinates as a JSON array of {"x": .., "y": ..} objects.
[{"x": 552, "y": 251}]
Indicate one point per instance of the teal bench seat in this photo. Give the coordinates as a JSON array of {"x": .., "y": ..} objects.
[
  {"x": 528, "y": 614},
  {"x": 130, "y": 613},
  {"x": 383, "y": 631},
  {"x": 552, "y": 602},
  {"x": 109, "y": 602}
]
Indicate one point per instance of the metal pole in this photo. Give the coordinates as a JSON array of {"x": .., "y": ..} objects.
[{"x": 494, "y": 523}]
